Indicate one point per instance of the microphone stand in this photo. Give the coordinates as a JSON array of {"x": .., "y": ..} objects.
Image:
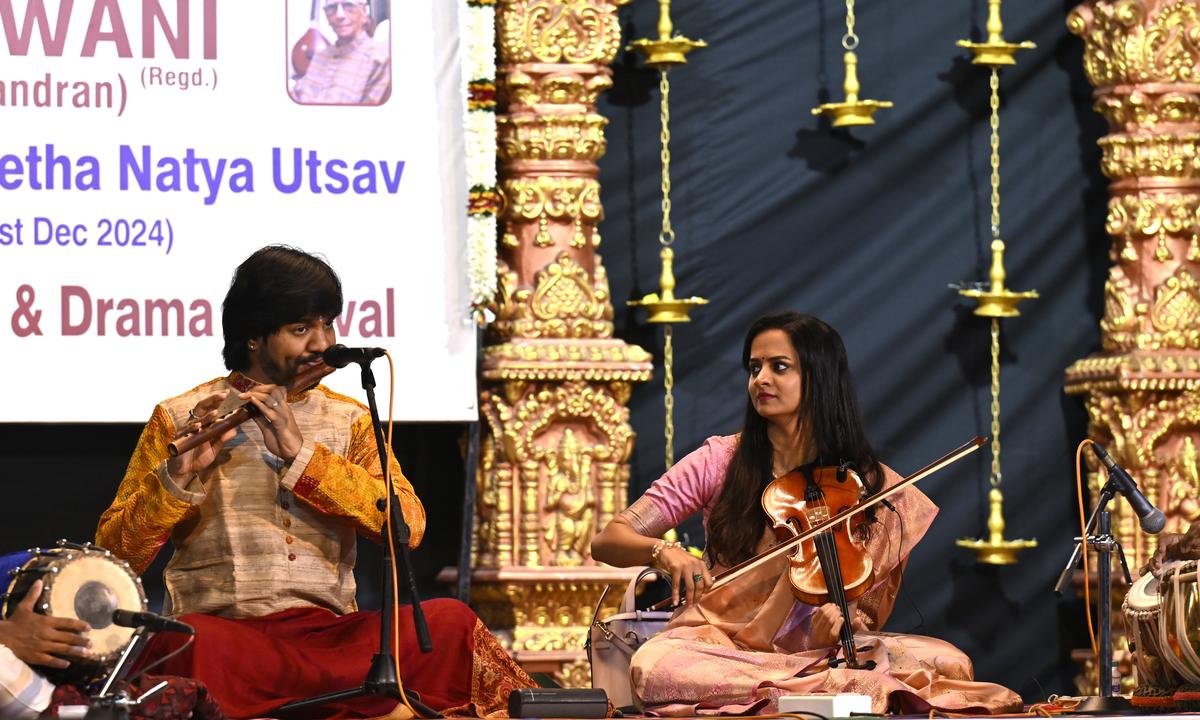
[
  {"x": 470, "y": 489},
  {"x": 1104, "y": 544},
  {"x": 381, "y": 679},
  {"x": 113, "y": 702}
]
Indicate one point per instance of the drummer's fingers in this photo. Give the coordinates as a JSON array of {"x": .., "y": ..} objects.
[
  {"x": 65, "y": 644},
  {"x": 50, "y": 661},
  {"x": 77, "y": 646},
  {"x": 70, "y": 629},
  {"x": 31, "y": 597},
  {"x": 45, "y": 639}
]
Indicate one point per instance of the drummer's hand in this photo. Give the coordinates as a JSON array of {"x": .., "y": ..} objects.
[
  {"x": 41, "y": 639},
  {"x": 280, "y": 433},
  {"x": 1168, "y": 544},
  {"x": 203, "y": 455},
  {"x": 685, "y": 568}
]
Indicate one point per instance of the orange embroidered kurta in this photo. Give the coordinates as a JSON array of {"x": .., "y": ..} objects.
[{"x": 254, "y": 535}]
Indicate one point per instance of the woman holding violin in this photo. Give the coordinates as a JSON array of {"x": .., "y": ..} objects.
[{"x": 780, "y": 627}]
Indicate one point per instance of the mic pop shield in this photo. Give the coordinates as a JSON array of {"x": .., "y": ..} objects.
[
  {"x": 339, "y": 356},
  {"x": 1151, "y": 517},
  {"x": 150, "y": 621}
]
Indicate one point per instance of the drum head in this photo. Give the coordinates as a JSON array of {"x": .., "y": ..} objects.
[
  {"x": 1143, "y": 595},
  {"x": 82, "y": 583},
  {"x": 89, "y": 588}
]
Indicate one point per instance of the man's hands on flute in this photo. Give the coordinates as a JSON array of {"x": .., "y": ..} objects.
[
  {"x": 279, "y": 430},
  {"x": 188, "y": 463}
]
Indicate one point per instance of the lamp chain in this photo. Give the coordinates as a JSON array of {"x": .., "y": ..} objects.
[
  {"x": 668, "y": 233},
  {"x": 995, "y": 123},
  {"x": 995, "y": 161},
  {"x": 850, "y": 40},
  {"x": 666, "y": 239},
  {"x": 669, "y": 393},
  {"x": 995, "y": 402}
]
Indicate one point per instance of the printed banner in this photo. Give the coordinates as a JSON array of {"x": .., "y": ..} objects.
[{"x": 149, "y": 146}]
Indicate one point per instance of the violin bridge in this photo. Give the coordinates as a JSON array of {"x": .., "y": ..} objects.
[{"x": 817, "y": 514}]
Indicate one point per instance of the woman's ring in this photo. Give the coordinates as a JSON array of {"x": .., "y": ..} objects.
[
  {"x": 697, "y": 577},
  {"x": 274, "y": 403},
  {"x": 192, "y": 417}
]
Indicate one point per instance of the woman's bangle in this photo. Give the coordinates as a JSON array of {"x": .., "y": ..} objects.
[{"x": 659, "y": 547}]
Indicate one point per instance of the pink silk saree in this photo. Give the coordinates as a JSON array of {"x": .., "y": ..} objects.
[{"x": 747, "y": 643}]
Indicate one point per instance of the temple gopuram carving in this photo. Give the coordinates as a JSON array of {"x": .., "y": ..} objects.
[{"x": 556, "y": 437}]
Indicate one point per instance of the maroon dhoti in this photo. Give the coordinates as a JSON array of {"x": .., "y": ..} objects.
[{"x": 253, "y": 665}]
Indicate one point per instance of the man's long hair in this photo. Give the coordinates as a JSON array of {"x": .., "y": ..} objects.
[
  {"x": 275, "y": 286},
  {"x": 828, "y": 413}
]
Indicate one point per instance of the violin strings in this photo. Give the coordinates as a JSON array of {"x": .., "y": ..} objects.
[{"x": 830, "y": 568}]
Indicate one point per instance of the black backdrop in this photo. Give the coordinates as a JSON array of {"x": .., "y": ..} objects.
[{"x": 774, "y": 210}]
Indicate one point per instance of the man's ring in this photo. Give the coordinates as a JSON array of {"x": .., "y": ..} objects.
[
  {"x": 192, "y": 416},
  {"x": 697, "y": 577}
]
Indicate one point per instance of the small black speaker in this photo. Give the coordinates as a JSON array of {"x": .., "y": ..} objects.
[{"x": 558, "y": 703}]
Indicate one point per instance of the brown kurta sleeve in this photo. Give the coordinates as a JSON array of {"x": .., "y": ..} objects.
[
  {"x": 146, "y": 509},
  {"x": 350, "y": 486}
]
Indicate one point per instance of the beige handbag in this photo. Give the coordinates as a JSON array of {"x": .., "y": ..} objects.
[{"x": 612, "y": 641}]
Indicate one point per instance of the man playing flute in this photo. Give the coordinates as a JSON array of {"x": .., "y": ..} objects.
[{"x": 263, "y": 520}]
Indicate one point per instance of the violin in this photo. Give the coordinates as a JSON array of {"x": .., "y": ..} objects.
[
  {"x": 837, "y": 517},
  {"x": 309, "y": 43},
  {"x": 833, "y": 564}
]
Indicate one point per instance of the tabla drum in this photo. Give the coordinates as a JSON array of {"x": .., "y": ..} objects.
[
  {"x": 1179, "y": 624},
  {"x": 1142, "y": 609},
  {"x": 86, "y": 583}
]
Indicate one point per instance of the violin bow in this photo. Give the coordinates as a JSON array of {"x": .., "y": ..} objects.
[{"x": 783, "y": 548}]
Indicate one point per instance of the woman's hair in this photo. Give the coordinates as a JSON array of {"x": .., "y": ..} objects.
[
  {"x": 828, "y": 413},
  {"x": 275, "y": 286}
]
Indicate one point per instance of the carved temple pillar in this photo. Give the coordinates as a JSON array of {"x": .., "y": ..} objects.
[
  {"x": 1143, "y": 58},
  {"x": 556, "y": 441}
]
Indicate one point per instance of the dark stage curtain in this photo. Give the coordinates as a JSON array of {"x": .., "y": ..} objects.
[{"x": 775, "y": 210}]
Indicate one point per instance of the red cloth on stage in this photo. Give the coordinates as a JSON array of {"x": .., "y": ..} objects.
[
  {"x": 181, "y": 698},
  {"x": 253, "y": 665}
]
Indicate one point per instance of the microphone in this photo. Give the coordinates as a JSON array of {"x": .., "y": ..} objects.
[
  {"x": 339, "y": 356},
  {"x": 1152, "y": 518},
  {"x": 150, "y": 621}
]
